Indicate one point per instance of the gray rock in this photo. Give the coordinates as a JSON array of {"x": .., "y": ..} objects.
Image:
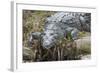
[
  {"x": 84, "y": 42},
  {"x": 34, "y": 36},
  {"x": 86, "y": 57}
]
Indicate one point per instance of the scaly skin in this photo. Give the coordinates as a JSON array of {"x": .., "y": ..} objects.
[{"x": 60, "y": 24}]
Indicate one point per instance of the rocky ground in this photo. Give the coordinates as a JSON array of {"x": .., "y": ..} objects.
[{"x": 83, "y": 46}]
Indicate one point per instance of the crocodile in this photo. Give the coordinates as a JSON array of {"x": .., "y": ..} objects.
[{"x": 61, "y": 24}]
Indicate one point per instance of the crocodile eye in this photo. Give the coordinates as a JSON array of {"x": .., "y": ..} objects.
[{"x": 51, "y": 34}]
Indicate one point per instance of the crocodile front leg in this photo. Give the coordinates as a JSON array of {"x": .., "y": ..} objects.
[{"x": 74, "y": 34}]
